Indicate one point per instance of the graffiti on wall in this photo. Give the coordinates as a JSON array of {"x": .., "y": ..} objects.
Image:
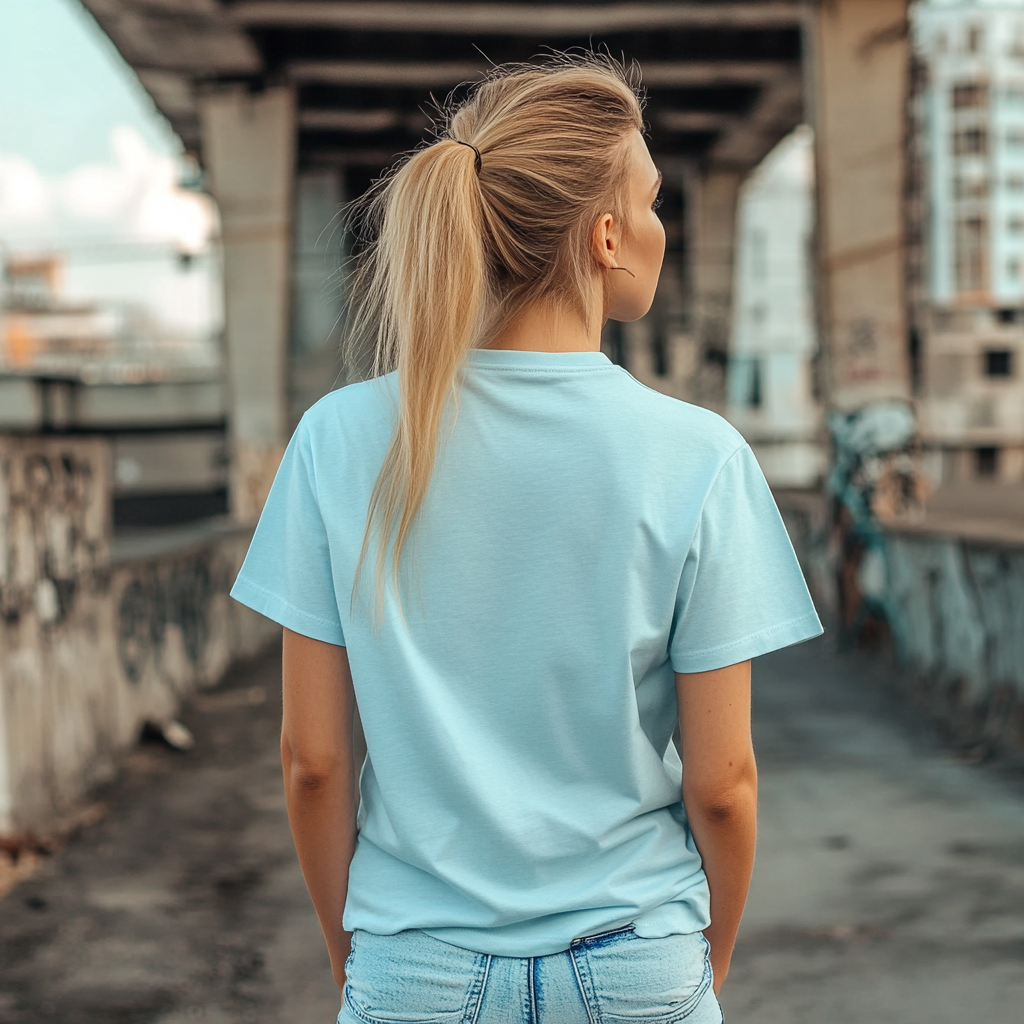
[
  {"x": 157, "y": 598},
  {"x": 54, "y": 524}
]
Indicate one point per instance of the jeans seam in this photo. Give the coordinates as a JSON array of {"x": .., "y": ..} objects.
[
  {"x": 531, "y": 988},
  {"x": 482, "y": 979},
  {"x": 589, "y": 998}
]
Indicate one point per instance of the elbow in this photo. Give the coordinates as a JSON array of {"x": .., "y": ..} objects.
[
  {"x": 309, "y": 774},
  {"x": 724, "y": 804}
]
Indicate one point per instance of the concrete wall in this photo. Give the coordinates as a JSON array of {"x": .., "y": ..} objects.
[
  {"x": 97, "y": 637},
  {"x": 955, "y": 607},
  {"x": 952, "y": 601}
]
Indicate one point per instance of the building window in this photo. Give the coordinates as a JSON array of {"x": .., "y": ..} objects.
[
  {"x": 1013, "y": 268},
  {"x": 1015, "y": 225},
  {"x": 1015, "y": 138},
  {"x": 759, "y": 253},
  {"x": 975, "y": 39},
  {"x": 970, "y": 142},
  {"x": 967, "y": 95},
  {"x": 986, "y": 461},
  {"x": 745, "y": 387},
  {"x": 970, "y": 188},
  {"x": 1015, "y": 182},
  {"x": 1015, "y": 92},
  {"x": 998, "y": 362},
  {"x": 971, "y": 250}
]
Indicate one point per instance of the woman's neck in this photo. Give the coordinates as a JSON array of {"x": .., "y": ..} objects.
[{"x": 545, "y": 327}]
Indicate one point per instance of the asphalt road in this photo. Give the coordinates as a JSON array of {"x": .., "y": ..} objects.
[{"x": 889, "y": 884}]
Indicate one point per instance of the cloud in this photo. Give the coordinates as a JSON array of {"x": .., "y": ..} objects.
[
  {"x": 24, "y": 195},
  {"x": 133, "y": 198}
]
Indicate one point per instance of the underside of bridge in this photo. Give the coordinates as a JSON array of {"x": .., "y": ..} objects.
[
  {"x": 723, "y": 79},
  {"x": 293, "y": 106}
]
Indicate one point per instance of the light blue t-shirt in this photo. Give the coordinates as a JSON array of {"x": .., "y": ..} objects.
[{"x": 582, "y": 537}]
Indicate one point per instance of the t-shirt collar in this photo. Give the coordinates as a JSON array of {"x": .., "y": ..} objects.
[{"x": 534, "y": 360}]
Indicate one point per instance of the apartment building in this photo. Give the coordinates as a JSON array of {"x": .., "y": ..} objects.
[{"x": 966, "y": 230}]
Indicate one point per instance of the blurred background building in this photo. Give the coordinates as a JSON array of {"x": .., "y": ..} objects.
[
  {"x": 968, "y": 293},
  {"x": 772, "y": 395}
]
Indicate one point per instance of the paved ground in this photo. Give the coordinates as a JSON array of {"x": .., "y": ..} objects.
[{"x": 889, "y": 885}]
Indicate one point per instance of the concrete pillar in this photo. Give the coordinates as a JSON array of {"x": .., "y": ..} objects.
[
  {"x": 713, "y": 239},
  {"x": 857, "y": 78},
  {"x": 858, "y": 56},
  {"x": 317, "y": 288},
  {"x": 249, "y": 152}
]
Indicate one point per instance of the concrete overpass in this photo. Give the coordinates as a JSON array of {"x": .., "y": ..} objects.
[{"x": 293, "y": 106}]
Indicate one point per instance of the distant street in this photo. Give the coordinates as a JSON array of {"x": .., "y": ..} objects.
[{"x": 889, "y": 885}]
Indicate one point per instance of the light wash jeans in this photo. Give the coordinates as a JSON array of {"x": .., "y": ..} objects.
[{"x": 612, "y": 978}]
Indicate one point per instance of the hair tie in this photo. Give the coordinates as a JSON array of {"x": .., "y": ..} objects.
[{"x": 479, "y": 161}]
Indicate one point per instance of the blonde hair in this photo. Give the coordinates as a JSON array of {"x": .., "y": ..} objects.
[{"x": 463, "y": 238}]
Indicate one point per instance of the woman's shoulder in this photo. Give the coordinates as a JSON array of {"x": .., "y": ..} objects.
[
  {"x": 366, "y": 404},
  {"x": 684, "y": 422}
]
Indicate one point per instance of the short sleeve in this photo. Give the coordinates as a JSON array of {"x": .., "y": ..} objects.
[
  {"x": 741, "y": 593},
  {"x": 287, "y": 573}
]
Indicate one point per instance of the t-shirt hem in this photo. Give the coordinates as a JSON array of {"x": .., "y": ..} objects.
[
  {"x": 772, "y": 638},
  {"x": 274, "y": 607}
]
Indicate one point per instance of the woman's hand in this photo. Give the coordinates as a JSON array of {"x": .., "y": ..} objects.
[{"x": 339, "y": 954}]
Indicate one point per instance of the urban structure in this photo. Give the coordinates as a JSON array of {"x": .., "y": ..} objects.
[{"x": 967, "y": 263}]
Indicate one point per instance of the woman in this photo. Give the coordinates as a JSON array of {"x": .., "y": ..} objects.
[{"x": 524, "y": 568}]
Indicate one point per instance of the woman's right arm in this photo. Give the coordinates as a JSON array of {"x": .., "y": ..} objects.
[
  {"x": 319, "y": 778},
  {"x": 720, "y": 794}
]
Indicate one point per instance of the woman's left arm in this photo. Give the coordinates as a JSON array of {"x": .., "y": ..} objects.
[{"x": 319, "y": 778}]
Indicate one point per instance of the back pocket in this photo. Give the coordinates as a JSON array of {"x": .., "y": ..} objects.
[
  {"x": 644, "y": 981},
  {"x": 410, "y": 978}
]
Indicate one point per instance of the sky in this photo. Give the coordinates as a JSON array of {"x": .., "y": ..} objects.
[{"x": 89, "y": 167}]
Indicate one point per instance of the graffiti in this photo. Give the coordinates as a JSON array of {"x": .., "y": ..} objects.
[
  {"x": 54, "y": 525},
  {"x": 875, "y": 480},
  {"x": 178, "y": 595}
]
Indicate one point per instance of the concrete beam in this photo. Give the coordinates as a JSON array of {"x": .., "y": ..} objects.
[
  {"x": 249, "y": 143},
  {"x": 516, "y": 19},
  {"x": 776, "y": 112},
  {"x": 362, "y": 122},
  {"x": 857, "y": 84},
  {"x": 441, "y": 73},
  {"x": 694, "y": 121},
  {"x": 177, "y": 35}
]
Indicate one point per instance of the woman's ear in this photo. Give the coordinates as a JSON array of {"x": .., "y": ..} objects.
[{"x": 605, "y": 241}]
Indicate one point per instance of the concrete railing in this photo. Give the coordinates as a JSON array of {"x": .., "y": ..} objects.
[
  {"x": 97, "y": 634},
  {"x": 950, "y": 589}
]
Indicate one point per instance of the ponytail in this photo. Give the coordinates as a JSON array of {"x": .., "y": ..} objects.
[
  {"x": 425, "y": 283},
  {"x": 466, "y": 234}
]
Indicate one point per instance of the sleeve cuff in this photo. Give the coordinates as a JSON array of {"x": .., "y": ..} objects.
[
  {"x": 276, "y": 608},
  {"x": 773, "y": 638}
]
